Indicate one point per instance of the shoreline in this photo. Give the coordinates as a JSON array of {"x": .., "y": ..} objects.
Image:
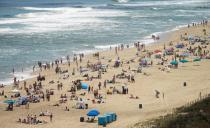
[{"x": 147, "y": 40}]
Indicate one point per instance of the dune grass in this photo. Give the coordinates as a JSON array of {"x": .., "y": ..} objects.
[{"x": 194, "y": 115}]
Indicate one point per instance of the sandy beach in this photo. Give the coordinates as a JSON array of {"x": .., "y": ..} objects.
[{"x": 152, "y": 78}]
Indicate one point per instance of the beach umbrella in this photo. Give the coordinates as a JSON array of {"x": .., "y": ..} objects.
[
  {"x": 84, "y": 85},
  {"x": 174, "y": 62},
  {"x": 197, "y": 59},
  {"x": 184, "y": 61},
  {"x": 93, "y": 112},
  {"x": 10, "y": 101},
  {"x": 157, "y": 51}
]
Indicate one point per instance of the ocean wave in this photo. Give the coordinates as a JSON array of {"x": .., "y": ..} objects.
[
  {"x": 7, "y": 81},
  {"x": 161, "y": 3},
  {"x": 147, "y": 41},
  {"x": 121, "y": 1},
  {"x": 57, "y": 9},
  {"x": 184, "y": 15},
  {"x": 19, "y": 75},
  {"x": 60, "y": 19},
  {"x": 104, "y": 47},
  {"x": 191, "y": 11},
  {"x": 85, "y": 51}
]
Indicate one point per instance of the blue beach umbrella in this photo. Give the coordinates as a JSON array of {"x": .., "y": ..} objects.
[
  {"x": 184, "y": 61},
  {"x": 174, "y": 62},
  {"x": 84, "y": 85},
  {"x": 93, "y": 112},
  {"x": 10, "y": 101}
]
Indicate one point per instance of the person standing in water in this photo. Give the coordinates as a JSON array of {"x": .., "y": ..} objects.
[
  {"x": 13, "y": 70},
  {"x": 33, "y": 68}
]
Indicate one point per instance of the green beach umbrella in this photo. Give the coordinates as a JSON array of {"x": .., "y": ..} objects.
[
  {"x": 184, "y": 61},
  {"x": 197, "y": 59},
  {"x": 174, "y": 62},
  {"x": 10, "y": 101}
]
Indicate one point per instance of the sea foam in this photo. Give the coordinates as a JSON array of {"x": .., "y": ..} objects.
[{"x": 59, "y": 19}]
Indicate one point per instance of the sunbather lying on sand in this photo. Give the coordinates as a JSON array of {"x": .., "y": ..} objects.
[{"x": 133, "y": 97}]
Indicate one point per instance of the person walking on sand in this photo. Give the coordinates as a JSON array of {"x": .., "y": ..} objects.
[
  {"x": 104, "y": 83},
  {"x": 89, "y": 89},
  {"x": 51, "y": 116},
  {"x": 200, "y": 95},
  {"x": 99, "y": 85},
  {"x": 163, "y": 95}
]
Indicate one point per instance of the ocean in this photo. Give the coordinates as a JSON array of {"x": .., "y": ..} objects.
[{"x": 45, "y": 30}]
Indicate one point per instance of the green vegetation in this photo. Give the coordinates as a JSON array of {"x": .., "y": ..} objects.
[{"x": 194, "y": 115}]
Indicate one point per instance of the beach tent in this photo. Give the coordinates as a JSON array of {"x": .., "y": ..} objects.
[
  {"x": 93, "y": 113},
  {"x": 184, "y": 61},
  {"x": 84, "y": 85},
  {"x": 174, "y": 62}
]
